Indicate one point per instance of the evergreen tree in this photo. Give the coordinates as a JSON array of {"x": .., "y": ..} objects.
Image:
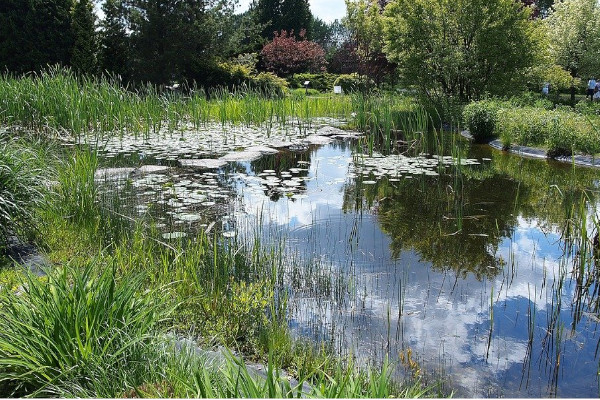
[
  {"x": 173, "y": 39},
  {"x": 13, "y": 14},
  {"x": 296, "y": 16},
  {"x": 85, "y": 48},
  {"x": 286, "y": 15},
  {"x": 48, "y": 28},
  {"x": 114, "y": 41},
  {"x": 267, "y": 14},
  {"x": 35, "y": 33}
]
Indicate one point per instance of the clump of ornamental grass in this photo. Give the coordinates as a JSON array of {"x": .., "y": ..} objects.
[
  {"x": 76, "y": 328},
  {"x": 21, "y": 190}
]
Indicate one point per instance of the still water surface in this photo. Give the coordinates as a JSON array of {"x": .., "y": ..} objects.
[{"x": 475, "y": 269}]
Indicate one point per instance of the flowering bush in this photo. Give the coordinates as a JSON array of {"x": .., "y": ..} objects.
[{"x": 285, "y": 55}]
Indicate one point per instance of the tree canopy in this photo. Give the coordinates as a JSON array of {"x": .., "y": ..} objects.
[
  {"x": 283, "y": 15},
  {"x": 35, "y": 34},
  {"x": 462, "y": 48},
  {"x": 574, "y": 31},
  {"x": 365, "y": 21},
  {"x": 85, "y": 46}
]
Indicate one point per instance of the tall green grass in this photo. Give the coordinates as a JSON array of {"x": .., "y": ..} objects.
[
  {"x": 23, "y": 182},
  {"x": 58, "y": 102},
  {"x": 390, "y": 120},
  {"x": 561, "y": 131},
  {"x": 78, "y": 325}
]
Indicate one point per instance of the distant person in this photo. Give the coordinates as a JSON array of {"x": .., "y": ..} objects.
[
  {"x": 597, "y": 92},
  {"x": 546, "y": 89},
  {"x": 591, "y": 88}
]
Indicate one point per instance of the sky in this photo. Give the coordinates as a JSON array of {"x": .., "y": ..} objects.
[{"x": 327, "y": 10}]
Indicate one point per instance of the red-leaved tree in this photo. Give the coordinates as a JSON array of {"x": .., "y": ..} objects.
[{"x": 285, "y": 55}]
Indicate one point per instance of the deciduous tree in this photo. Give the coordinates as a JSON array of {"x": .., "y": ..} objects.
[
  {"x": 366, "y": 24},
  {"x": 574, "y": 31},
  {"x": 462, "y": 48}
]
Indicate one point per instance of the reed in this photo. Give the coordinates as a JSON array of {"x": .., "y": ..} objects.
[
  {"x": 391, "y": 121},
  {"x": 58, "y": 102}
]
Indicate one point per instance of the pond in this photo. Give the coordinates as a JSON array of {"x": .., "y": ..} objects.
[{"x": 475, "y": 265}]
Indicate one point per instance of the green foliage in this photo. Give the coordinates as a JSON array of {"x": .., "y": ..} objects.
[
  {"x": 558, "y": 78},
  {"x": 520, "y": 125},
  {"x": 22, "y": 188},
  {"x": 75, "y": 327},
  {"x": 114, "y": 41},
  {"x": 480, "y": 118},
  {"x": 531, "y": 99},
  {"x": 389, "y": 118},
  {"x": 574, "y": 31},
  {"x": 247, "y": 60},
  {"x": 233, "y": 74},
  {"x": 330, "y": 35},
  {"x": 588, "y": 107},
  {"x": 321, "y": 82},
  {"x": 77, "y": 191},
  {"x": 268, "y": 84},
  {"x": 350, "y": 82},
  {"x": 287, "y": 15},
  {"x": 76, "y": 201},
  {"x": 365, "y": 22},
  {"x": 58, "y": 101},
  {"x": 35, "y": 34},
  {"x": 529, "y": 122},
  {"x": 452, "y": 48},
  {"x": 237, "y": 316},
  {"x": 301, "y": 93}
]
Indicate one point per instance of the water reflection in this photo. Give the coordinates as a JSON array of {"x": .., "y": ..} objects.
[
  {"x": 469, "y": 269},
  {"x": 486, "y": 271}
]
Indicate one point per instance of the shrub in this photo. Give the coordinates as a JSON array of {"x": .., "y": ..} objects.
[
  {"x": 321, "y": 82},
  {"x": 350, "y": 82},
  {"x": 561, "y": 130},
  {"x": 480, "y": 119},
  {"x": 299, "y": 94},
  {"x": 21, "y": 189},
  {"x": 268, "y": 84},
  {"x": 524, "y": 125},
  {"x": 285, "y": 55},
  {"x": 588, "y": 107},
  {"x": 531, "y": 99}
]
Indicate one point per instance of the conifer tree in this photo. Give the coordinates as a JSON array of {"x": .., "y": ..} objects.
[
  {"x": 114, "y": 41},
  {"x": 35, "y": 34},
  {"x": 85, "y": 48},
  {"x": 286, "y": 15},
  {"x": 296, "y": 16},
  {"x": 171, "y": 39}
]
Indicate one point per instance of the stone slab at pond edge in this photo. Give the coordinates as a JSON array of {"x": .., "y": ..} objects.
[{"x": 112, "y": 174}]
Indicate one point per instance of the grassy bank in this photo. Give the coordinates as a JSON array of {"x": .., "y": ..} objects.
[{"x": 536, "y": 122}]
